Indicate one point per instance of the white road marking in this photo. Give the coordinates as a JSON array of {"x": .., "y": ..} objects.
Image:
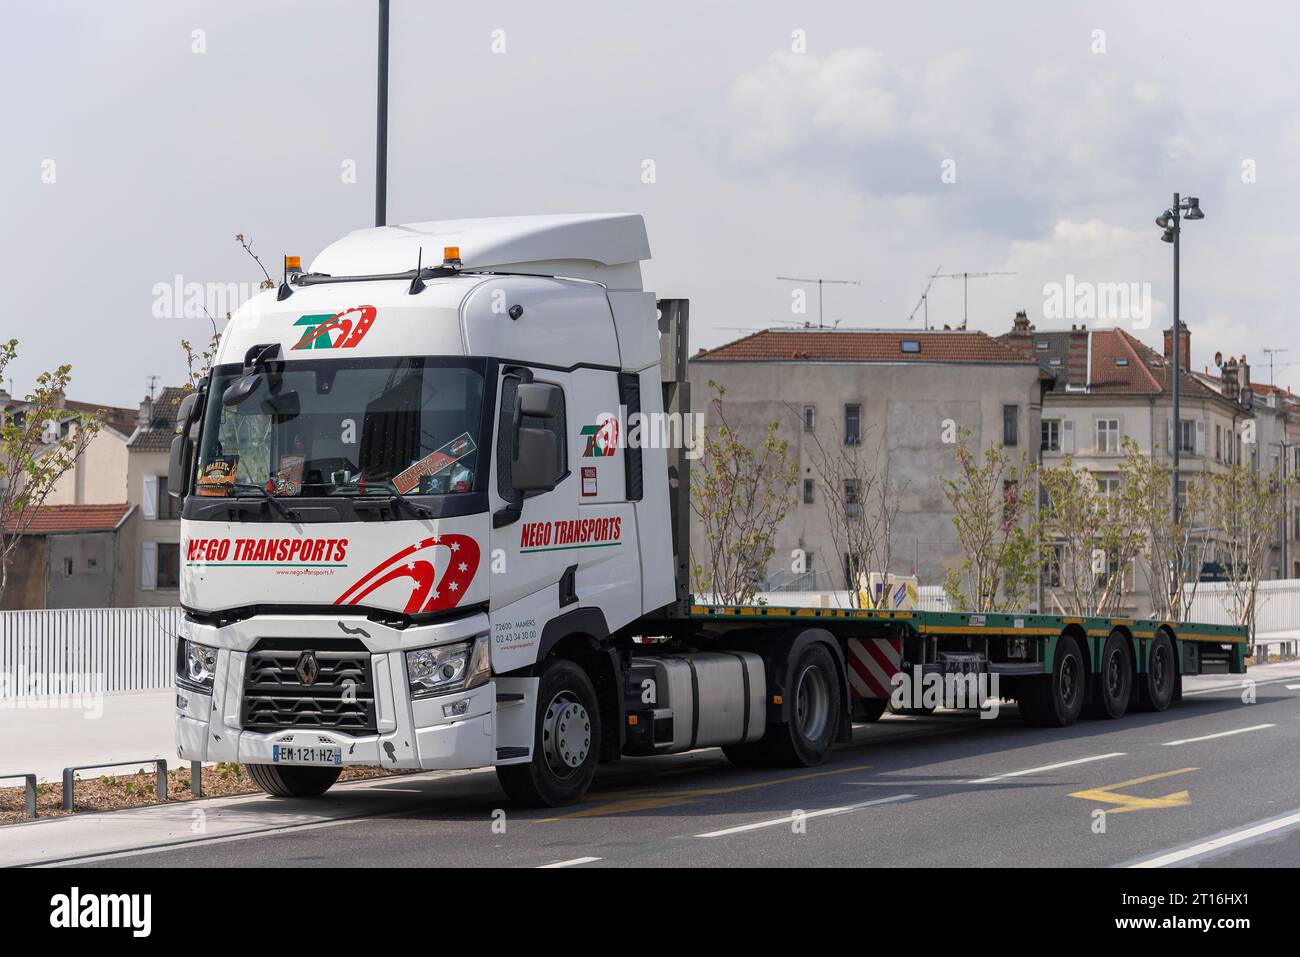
[
  {"x": 1225, "y": 840},
  {"x": 1288, "y": 687},
  {"x": 1221, "y": 734},
  {"x": 1047, "y": 767},
  {"x": 789, "y": 818},
  {"x": 571, "y": 863},
  {"x": 1239, "y": 685}
]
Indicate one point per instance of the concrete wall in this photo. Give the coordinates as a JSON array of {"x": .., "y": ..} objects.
[
  {"x": 82, "y": 570},
  {"x": 908, "y": 409},
  {"x": 27, "y": 570}
]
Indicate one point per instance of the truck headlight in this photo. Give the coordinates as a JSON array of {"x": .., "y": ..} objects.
[
  {"x": 445, "y": 668},
  {"x": 196, "y": 665}
]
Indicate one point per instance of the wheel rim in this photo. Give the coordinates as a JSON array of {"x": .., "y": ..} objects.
[
  {"x": 812, "y": 705},
  {"x": 566, "y": 735},
  {"x": 1115, "y": 675},
  {"x": 1069, "y": 680},
  {"x": 1160, "y": 667}
]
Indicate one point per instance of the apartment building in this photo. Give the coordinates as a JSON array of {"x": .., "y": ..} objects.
[
  {"x": 902, "y": 396},
  {"x": 150, "y": 551}
]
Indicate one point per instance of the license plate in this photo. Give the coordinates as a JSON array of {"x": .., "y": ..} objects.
[{"x": 286, "y": 754}]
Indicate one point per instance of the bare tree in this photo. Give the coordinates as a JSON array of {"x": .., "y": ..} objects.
[
  {"x": 39, "y": 443},
  {"x": 1175, "y": 548},
  {"x": 740, "y": 494},
  {"x": 1090, "y": 536},
  {"x": 992, "y": 499},
  {"x": 1245, "y": 509},
  {"x": 861, "y": 505}
]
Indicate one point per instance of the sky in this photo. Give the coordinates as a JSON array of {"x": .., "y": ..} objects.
[{"x": 869, "y": 142}]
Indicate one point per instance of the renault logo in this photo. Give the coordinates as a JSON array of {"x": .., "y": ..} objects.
[{"x": 308, "y": 668}]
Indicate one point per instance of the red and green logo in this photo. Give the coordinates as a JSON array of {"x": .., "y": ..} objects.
[
  {"x": 602, "y": 438},
  {"x": 342, "y": 330}
]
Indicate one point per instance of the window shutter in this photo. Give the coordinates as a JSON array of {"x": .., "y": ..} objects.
[
  {"x": 149, "y": 499},
  {"x": 1200, "y": 436},
  {"x": 1170, "y": 438},
  {"x": 1067, "y": 436},
  {"x": 148, "y": 566}
]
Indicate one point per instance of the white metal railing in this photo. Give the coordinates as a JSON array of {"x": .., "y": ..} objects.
[
  {"x": 86, "y": 650},
  {"x": 929, "y": 598}
]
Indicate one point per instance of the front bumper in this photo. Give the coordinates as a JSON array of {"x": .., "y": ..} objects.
[{"x": 412, "y": 733}]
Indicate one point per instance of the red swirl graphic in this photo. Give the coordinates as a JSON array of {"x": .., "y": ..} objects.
[{"x": 409, "y": 563}]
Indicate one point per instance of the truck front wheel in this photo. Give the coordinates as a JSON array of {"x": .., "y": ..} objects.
[
  {"x": 566, "y": 741},
  {"x": 287, "y": 781}
]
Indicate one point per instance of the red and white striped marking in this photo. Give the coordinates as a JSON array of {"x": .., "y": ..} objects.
[{"x": 872, "y": 665}]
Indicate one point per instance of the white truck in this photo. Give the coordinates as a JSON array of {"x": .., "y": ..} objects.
[{"x": 415, "y": 534}]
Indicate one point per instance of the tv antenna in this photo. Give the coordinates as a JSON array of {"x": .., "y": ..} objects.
[
  {"x": 1271, "y": 353},
  {"x": 820, "y": 282},
  {"x": 965, "y": 278},
  {"x": 924, "y": 301},
  {"x": 153, "y": 387}
]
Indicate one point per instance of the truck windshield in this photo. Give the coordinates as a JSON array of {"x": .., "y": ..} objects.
[{"x": 345, "y": 427}]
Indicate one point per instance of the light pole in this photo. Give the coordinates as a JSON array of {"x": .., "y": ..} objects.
[
  {"x": 1171, "y": 222},
  {"x": 381, "y": 122}
]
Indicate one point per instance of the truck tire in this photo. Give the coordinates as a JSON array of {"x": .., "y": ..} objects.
[
  {"x": 1055, "y": 701},
  {"x": 566, "y": 741},
  {"x": 1112, "y": 687},
  {"x": 1156, "y": 684},
  {"x": 288, "y": 781},
  {"x": 815, "y": 702}
]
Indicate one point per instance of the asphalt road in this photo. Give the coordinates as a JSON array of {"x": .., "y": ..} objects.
[{"x": 1212, "y": 782}]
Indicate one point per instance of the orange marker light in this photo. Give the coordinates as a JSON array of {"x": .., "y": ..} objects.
[
  {"x": 631, "y": 719},
  {"x": 777, "y": 699},
  {"x": 451, "y": 254},
  {"x": 292, "y": 262}
]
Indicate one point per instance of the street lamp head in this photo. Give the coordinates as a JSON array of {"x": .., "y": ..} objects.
[
  {"x": 1163, "y": 220},
  {"x": 1194, "y": 208},
  {"x": 1167, "y": 236}
]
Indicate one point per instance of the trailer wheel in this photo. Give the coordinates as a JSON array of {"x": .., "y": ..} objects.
[
  {"x": 1112, "y": 688},
  {"x": 287, "y": 781},
  {"x": 566, "y": 741},
  {"x": 1056, "y": 700},
  {"x": 1156, "y": 685}
]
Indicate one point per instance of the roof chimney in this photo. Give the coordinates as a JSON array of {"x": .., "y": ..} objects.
[
  {"x": 144, "y": 420},
  {"x": 1184, "y": 346},
  {"x": 1077, "y": 357}
]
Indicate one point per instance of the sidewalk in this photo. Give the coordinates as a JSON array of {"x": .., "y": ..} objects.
[{"x": 38, "y": 738}]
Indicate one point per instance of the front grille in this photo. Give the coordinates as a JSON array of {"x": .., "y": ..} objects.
[{"x": 341, "y": 698}]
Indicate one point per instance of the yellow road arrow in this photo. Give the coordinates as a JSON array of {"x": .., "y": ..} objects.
[{"x": 1130, "y": 802}]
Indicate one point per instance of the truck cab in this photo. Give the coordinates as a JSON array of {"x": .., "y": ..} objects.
[{"x": 405, "y": 484}]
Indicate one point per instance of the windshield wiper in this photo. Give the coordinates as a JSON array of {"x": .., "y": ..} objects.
[
  {"x": 274, "y": 500},
  {"x": 397, "y": 499}
]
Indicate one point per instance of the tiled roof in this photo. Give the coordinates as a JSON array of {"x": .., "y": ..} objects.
[
  {"x": 864, "y": 345},
  {"x": 51, "y": 519},
  {"x": 120, "y": 420},
  {"x": 162, "y": 429},
  {"x": 1121, "y": 363}
]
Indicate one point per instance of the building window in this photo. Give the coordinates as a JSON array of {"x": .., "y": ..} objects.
[
  {"x": 1107, "y": 485},
  {"x": 67, "y": 568},
  {"x": 1051, "y": 435},
  {"x": 1010, "y": 425},
  {"x": 1108, "y": 435},
  {"x": 168, "y": 507},
  {"x": 1218, "y": 443},
  {"x": 1010, "y": 495},
  {"x": 852, "y": 504},
  {"x": 169, "y": 565},
  {"x": 1187, "y": 436},
  {"x": 809, "y": 418},
  {"x": 1052, "y": 566},
  {"x": 852, "y": 423},
  {"x": 808, "y": 485},
  {"x": 910, "y": 345}
]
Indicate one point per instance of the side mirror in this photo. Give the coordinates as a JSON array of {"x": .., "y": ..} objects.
[
  {"x": 185, "y": 411},
  {"x": 536, "y": 462},
  {"x": 178, "y": 466},
  {"x": 241, "y": 388},
  {"x": 540, "y": 400}
]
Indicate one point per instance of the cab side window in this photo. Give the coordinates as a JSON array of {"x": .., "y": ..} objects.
[{"x": 506, "y": 437}]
